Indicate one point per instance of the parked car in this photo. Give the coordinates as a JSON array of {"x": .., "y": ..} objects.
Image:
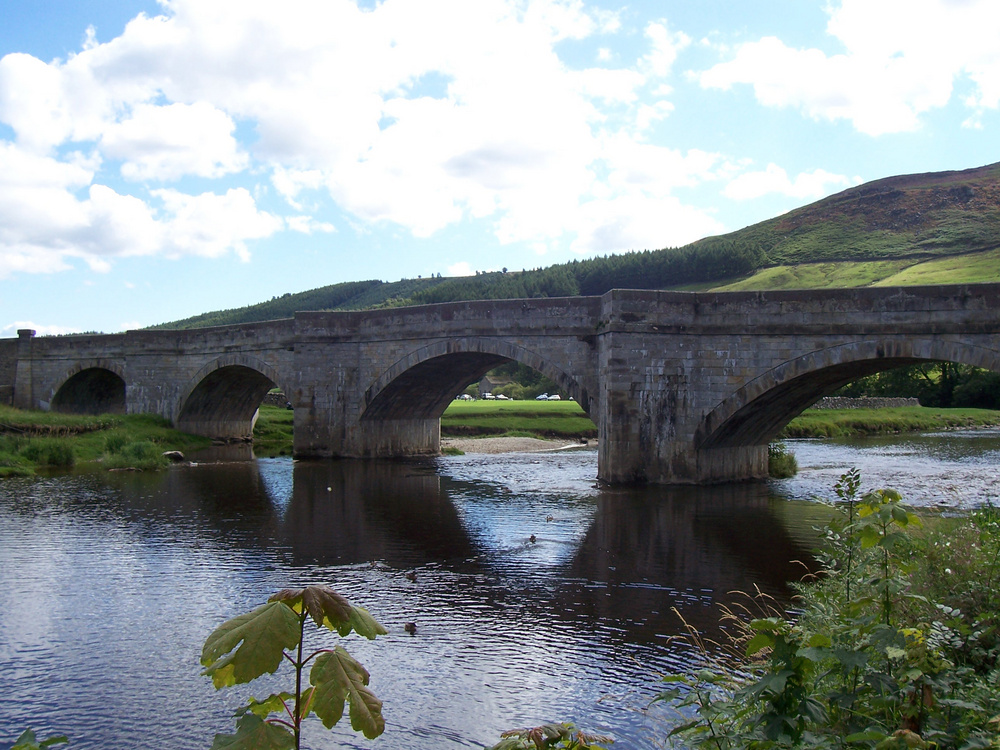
[
  {"x": 554, "y": 397},
  {"x": 542, "y": 397},
  {"x": 489, "y": 396},
  {"x": 501, "y": 397},
  {"x": 463, "y": 397}
]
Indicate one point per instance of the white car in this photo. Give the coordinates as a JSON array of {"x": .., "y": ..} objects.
[
  {"x": 554, "y": 397},
  {"x": 542, "y": 397}
]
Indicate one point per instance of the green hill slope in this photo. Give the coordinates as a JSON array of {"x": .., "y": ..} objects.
[
  {"x": 935, "y": 228},
  {"x": 351, "y": 295}
]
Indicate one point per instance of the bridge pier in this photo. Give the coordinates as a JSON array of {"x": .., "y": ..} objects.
[{"x": 24, "y": 392}]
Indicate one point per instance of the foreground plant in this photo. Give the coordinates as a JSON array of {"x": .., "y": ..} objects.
[
  {"x": 256, "y": 643},
  {"x": 29, "y": 741},
  {"x": 561, "y": 736},
  {"x": 876, "y": 657}
]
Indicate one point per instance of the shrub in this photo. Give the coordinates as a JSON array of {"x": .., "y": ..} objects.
[
  {"x": 60, "y": 454},
  {"x": 141, "y": 454},
  {"x": 115, "y": 441},
  {"x": 781, "y": 462},
  {"x": 878, "y": 657}
]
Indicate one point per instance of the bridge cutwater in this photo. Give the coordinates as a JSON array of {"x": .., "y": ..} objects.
[{"x": 683, "y": 387}]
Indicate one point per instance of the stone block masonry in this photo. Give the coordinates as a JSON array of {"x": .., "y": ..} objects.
[{"x": 683, "y": 387}]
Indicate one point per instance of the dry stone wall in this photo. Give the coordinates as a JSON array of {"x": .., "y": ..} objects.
[{"x": 842, "y": 402}]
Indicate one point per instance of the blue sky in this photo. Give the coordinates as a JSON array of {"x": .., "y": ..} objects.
[{"x": 162, "y": 159}]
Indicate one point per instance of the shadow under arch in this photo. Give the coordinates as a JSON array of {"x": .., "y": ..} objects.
[
  {"x": 90, "y": 387},
  {"x": 756, "y": 413},
  {"x": 422, "y": 384},
  {"x": 222, "y": 399}
]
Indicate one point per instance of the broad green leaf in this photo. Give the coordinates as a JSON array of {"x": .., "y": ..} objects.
[
  {"x": 324, "y": 605},
  {"x": 364, "y": 624},
  {"x": 29, "y": 741},
  {"x": 329, "y": 609},
  {"x": 338, "y": 677},
  {"x": 851, "y": 659},
  {"x": 820, "y": 640},
  {"x": 767, "y": 623},
  {"x": 869, "y": 537},
  {"x": 813, "y": 653},
  {"x": 261, "y": 637},
  {"x": 894, "y": 652},
  {"x": 758, "y": 642},
  {"x": 773, "y": 682},
  {"x": 253, "y": 733},
  {"x": 272, "y": 704}
]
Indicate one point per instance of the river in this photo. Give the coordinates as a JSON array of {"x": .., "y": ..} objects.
[{"x": 110, "y": 583}]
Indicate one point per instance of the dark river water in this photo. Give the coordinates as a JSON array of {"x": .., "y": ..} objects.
[{"x": 110, "y": 583}]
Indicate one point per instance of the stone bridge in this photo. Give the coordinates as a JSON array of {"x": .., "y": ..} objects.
[{"x": 683, "y": 387}]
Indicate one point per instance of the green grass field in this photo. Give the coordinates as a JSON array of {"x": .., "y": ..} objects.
[
  {"x": 564, "y": 419},
  {"x": 272, "y": 435},
  {"x": 954, "y": 269},
  {"x": 35, "y": 439},
  {"x": 815, "y": 423}
]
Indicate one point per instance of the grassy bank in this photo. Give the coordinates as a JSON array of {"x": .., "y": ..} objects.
[
  {"x": 546, "y": 419},
  {"x": 31, "y": 440},
  {"x": 272, "y": 435},
  {"x": 819, "y": 423}
]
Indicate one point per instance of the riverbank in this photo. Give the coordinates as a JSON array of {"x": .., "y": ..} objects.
[
  {"x": 510, "y": 445},
  {"x": 36, "y": 440},
  {"x": 823, "y": 423}
]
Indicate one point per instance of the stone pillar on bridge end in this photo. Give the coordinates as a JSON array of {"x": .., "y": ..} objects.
[{"x": 24, "y": 395}]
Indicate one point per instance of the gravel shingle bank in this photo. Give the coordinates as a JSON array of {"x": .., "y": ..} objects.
[{"x": 507, "y": 444}]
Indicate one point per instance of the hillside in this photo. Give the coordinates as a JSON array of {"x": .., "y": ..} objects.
[{"x": 939, "y": 227}]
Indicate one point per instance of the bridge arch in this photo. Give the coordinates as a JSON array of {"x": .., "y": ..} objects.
[
  {"x": 222, "y": 399},
  {"x": 757, "y": 412},
  {"x": 423, "y": 383},
  {"x": 94, "y": 386}
]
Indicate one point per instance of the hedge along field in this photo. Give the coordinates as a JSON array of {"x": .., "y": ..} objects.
[{"x": 564, "y": 419}]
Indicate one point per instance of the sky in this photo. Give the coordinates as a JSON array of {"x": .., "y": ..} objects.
[{"x": 167, "y": 158}]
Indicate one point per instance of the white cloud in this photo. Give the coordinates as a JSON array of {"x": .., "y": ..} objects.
[
  {"x": 308, "y": 225},
  {"x": 387, "y": 111},
  {"x": 641, "y": 222},
  {"x": 40, "y": 329},
  {"x": 666, "y": 45},
  {"x": 171, "y": 141},
  {"x": 462, "y": 268},
  {"x": 45, "y": 222},
  {"x": 211, "y": 225},
  {"x": 902, "y": 59},
  {"x": 774, "y": 179}
]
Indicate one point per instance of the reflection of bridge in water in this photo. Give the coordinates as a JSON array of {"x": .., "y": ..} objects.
[
  {"x": 683, "y": 387},
  {"x": 643, "y": 550}
]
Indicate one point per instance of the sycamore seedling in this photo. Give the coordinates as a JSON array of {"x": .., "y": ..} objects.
[{"x": 256, "y": 643}]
